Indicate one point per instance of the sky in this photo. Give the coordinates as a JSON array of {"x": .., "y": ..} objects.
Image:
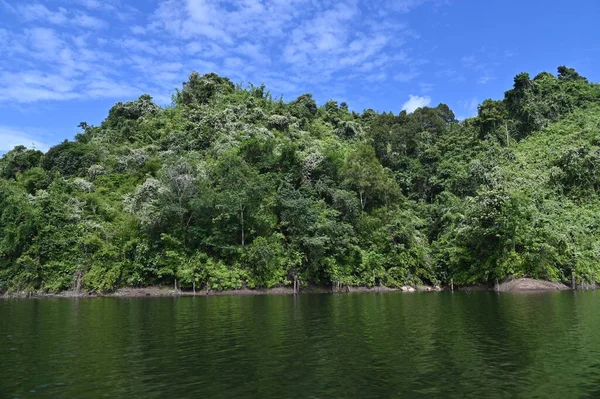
[{"x": 63, "y": 62}]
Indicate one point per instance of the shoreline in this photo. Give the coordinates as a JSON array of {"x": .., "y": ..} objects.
[{"x": 516, "y": 285}]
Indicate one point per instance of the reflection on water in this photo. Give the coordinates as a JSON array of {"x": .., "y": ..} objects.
[{"x": 444, "y": 344}]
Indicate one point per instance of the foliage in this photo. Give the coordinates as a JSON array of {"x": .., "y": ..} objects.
[{"x": 228, "y": 188}]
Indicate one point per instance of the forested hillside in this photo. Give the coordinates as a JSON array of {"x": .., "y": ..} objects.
[{"x": 229, "y": 187}]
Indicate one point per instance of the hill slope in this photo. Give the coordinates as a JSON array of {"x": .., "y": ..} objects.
[{"x": 229, "y": 188}]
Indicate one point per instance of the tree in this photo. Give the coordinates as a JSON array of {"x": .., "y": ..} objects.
[
  {"x": 69, "y": 158},
  {"x": 569, "y": 74},
  {"x": 18, "y": 160},
  {"x": 180, "y": 182},
  {"x": 303, "y": 107},
  {"x": 229, "y": 188},
  {"x": 201, "y": 89},
  {"x": 240, "y": 192},
  {"x": 269, "y": 261},
  {"x": 364, "y": 173},
  {"x": 492, "y": 116}
]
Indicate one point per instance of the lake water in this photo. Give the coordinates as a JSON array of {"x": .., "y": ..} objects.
[{"x": 477, "y": 345}]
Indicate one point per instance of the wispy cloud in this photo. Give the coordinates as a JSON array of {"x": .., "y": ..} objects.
[
  {"x": 85, "y": 53},
  {"x": 468, "y": 61},
  {"x": 451, "y": 75},
  {"x": 33, "y": 12},
  {"x": 313, "y": 37},
  {"x": 12, "y": 137},
  {"x": 406, "y": 76},
  {"x": 87, "y": 21},
  {"x": 408, "y": 5},
  {"x": 426, "y": 87},
  {"x": 469, "y": 107},
  {"x": 481, "y": 68},
  {"x": 59, "y": 16},
  {"x": 485, "y": 78}
]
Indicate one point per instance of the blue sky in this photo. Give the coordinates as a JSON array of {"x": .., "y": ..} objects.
[{"x": 67, "y": 61}]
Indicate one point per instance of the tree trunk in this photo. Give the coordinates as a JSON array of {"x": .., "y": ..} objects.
[
  {"x": 363, "y": 200},
  {"x": 194, "y": 286},
  {"x": 242, "y": 217}
]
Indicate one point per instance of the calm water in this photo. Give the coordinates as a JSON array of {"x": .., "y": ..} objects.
[{"x": 320, "y": 346}]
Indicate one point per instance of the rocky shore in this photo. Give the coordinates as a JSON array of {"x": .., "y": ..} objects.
[{"x": 514, "y": 285}]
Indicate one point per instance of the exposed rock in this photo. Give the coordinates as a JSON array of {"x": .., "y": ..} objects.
[
  {"x": 371, "y": 289},
  {"x": 530, "y": 284},
  {"x": 428, "y": 288}
]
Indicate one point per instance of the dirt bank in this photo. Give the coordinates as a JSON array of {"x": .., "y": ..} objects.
[
  {"x": 169, "y": 291},
  {"x": 516, "y": 285},
  {"x": 165, "y": 292}
]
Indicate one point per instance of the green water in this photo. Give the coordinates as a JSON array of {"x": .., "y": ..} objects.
[{"x": 320, "y": 346}]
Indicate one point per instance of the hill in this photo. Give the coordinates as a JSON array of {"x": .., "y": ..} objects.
[{"x": 230, "y": 188}]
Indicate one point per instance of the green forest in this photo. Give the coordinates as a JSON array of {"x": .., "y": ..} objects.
[{"x": 230, "y": 187}]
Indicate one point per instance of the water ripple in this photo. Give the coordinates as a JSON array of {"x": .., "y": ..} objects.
[{"x": 320, "y": 346}]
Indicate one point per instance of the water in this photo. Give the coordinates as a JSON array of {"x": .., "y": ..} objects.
[{"x": 321, "y": 346}]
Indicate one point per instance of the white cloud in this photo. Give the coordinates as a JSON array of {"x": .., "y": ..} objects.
[
  {"x": 221, "y": 21},
  {"x": 59, "y": 55},
  {"x": 415, "y": 102},
  {"x": 37, "y": 12},
  {"x": 108, "y": 88},
  {"x": 253, "y": 51},
  {"x": 470, "y": 106},
  {"x": 12, "y": 137},
  {"x": 139, "y": 46},
  {"x": 85, "y": 21},
  {"x": 32, "y": 12},
  {"x": 316, "y": 37},
  {"x": 97, "y": 5},
  {"x": 322, "y": 35},
  {"x": 44, "y": 40}
]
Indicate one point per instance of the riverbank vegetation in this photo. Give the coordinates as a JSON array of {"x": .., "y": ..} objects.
[{"x": 230, "y": 188}]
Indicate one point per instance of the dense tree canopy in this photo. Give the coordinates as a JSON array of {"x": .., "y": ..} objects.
[{"x": 229, "y": 188}]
